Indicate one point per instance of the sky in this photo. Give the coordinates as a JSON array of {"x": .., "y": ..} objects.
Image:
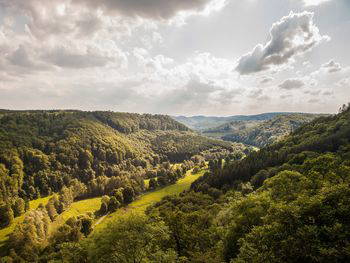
[{"x": 177, "y": 57}]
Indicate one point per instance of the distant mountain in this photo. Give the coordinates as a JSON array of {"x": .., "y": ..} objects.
[
  {"x": 261, "y": 133},
  {"x": 201, "y": 123}
]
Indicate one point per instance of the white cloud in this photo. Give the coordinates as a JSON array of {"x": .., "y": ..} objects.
[
  {"x": 315, "y": 2},
  {"x": 332, "y": 67},
  {"x": 266, "y": 79},
  {"x": 291, "y": 84},
  {"x": 293, "y": 35}
]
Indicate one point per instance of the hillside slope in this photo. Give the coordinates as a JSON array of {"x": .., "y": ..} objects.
[
  {"x": 201, "y": 123},
  {"x": 41, "y": 151},
  {"x": 261, "y": 133},
  {"x": 288, "y": 202}
]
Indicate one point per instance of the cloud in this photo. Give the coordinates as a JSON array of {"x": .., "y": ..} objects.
[
  {"x": 314, "y": 2},
  {"x": 344, "y": 83},
  {"x": 285, "y": 96},
  {"x": 327, "y": 93},
  {"x": 332, "y": 66},
  {"x": 151, "y": 9},
  {"x": 313, "y": 93},
  {"x": 293, "y": 35},
  {"x": 313, "y": 101},
  {"x": 266, "y": 79},
  {"x": 66, "y": 58},
  {"x": 255, "y": 93},
  {"x": 291, "y": 84}
]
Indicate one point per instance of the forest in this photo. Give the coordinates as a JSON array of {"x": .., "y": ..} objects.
[
  {"x": 287, "y": 202},
  {"x": 261, "y": 133},
  {"x": 73, "y": 155}
]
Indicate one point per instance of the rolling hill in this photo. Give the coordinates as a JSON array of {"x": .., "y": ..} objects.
[
  {"x": 201, "y": 123},
  {"x": 261, "y": 133},
  {"x": 41, "y": 151}
]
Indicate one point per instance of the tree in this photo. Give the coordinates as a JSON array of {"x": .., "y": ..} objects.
[
  {"x": 153, "y": 183},
  {"x": 26, "y": 205},
  {"x": 131, "y": 238},
  {"x": 113, "y": 204},
  {"x": 6, "y": 215},
  {"x": 18, "y": 207},
  {"x": 51, "y": 210},
  {"x": 104, "y": 205},
  {"x": 118, "y": 194},
  {"x": 128, "y": 194},
  {"x": 308, "y": 230},
  {"x": 86, "y": 225}
]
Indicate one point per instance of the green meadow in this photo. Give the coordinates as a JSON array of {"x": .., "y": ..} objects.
[
  {"x": 93, "y": 204},
  {"x": 147, "y": 199},
  {"x": 4, "y": 232}
]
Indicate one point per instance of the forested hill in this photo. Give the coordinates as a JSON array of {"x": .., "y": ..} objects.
[
  {"x": 322, "y": 135},
  {"x": 42, "y": 151},
  {"x": 261, "y": 133},
  {"x": 288, "y": 202},
  {"x": 202, "y": 123}
]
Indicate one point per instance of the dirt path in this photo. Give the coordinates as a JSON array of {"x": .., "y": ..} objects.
[{"x": 100, "y": 219}]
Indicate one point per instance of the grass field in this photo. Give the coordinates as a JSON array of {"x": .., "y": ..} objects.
[
  {"x": 76, "y": 209},
  {"x": 91, "y": 205},
  {"x": 140, "y": 205},
  {"x": 32, "y": 206}
]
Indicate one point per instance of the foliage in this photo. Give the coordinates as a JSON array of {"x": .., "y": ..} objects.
[
  {"x": 132, "y": 238},
  {"x": 262, "y": 133}
]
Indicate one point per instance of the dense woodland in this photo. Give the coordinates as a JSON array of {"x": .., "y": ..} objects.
[
  {"x": 41, "y": 152},
  {"x": 288, "y": 202},
  {"x": 203, "y": 123},
  {"x": 74, "y": 155},
  {"x": 260, "y": 133}
]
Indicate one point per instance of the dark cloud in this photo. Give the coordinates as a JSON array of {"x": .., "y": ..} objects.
[
  {"x": 21, "y": 58},
  {"x": 291, "y": 84},
  {"x": 23, "y": 61},
  {"x": 153, "y": 9},
  {"x": 292, "y": 35}
]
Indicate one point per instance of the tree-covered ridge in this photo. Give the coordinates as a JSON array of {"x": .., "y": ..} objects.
[
  {"x": 288, "y": 202},
  {"x": 41, "y": 151},
  {"x": 202, "y": 123},
  {"x": 261, "y": 133},
  {"x": 324, "y": 134}
]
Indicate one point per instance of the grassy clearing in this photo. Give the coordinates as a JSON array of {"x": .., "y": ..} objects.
[
  {"x": 76, "y": 209},
  {"x": 140, "y": 205},
  {"x": 4, "y": 233},
  {"x": 91, "y": 205}
]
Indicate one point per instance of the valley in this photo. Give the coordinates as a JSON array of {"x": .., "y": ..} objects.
[
  {"x": 179, "y": 131},
  {"x": 172, "y": 193},
  {"x": 254, "y": 130}
]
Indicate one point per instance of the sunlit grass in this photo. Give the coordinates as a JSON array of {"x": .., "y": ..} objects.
[
  {"x": 140, "y": 205},
  {"x": 4, "y": 233},
  {"x": 92, "y": 205},
  {"x": 76, "y": 209}
]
